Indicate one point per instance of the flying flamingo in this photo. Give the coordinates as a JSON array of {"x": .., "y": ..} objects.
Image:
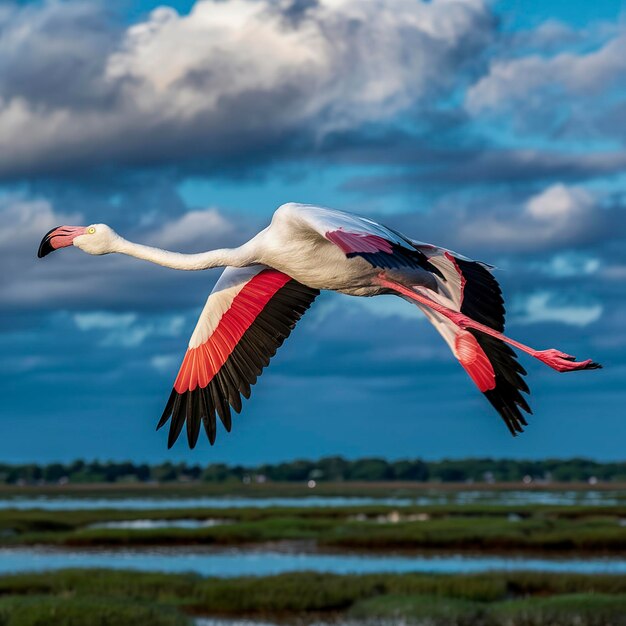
[{"x": 270, "y": 281}]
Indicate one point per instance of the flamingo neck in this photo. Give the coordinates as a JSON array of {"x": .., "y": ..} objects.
[{"x": 234, "y": 257}]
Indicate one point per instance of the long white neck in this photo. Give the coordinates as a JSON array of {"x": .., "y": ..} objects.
[{"x": 234, "y": 257}]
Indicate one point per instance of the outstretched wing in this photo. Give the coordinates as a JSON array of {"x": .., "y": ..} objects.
[
  {"x": 248, "y": 315},
  {"x": 469, "y": 287},
  {"x": 358, "y": 236}
]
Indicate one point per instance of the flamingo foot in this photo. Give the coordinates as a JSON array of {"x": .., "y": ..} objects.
[{"x": 562, "y": 362}]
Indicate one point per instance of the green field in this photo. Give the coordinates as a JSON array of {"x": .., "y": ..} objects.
[
  {"x": 449, "y": 527},
  {"x": 103, "y": 598}
]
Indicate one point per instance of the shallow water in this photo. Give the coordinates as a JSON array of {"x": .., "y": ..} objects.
[
  {"x": 263, "y": 562},
  {"x": 587, "y": 498},
  {"x": 156, "y": 503},
  {"x": 148, "y": 524}
]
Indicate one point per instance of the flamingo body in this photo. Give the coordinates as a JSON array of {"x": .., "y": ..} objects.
[{"x": 270, "y": 281}]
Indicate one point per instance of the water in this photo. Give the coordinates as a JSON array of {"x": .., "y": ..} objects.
[
  {"x": 427, "y": 498},
  {"x": 148, "y": 524},
  {"x": 265, "y": 562},
  {"x": 138, "y": 504}
]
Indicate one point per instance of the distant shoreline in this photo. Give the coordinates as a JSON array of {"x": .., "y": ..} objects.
[
  {"x": 331, "y": 473},
  {"x": 268, "y": 489}
]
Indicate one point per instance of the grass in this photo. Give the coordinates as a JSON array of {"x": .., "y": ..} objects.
[
  {"x": 103, "y": 597},
  {"x": 495, "y": 528},
  {"x": 583, "y": 609},
  {"x": 419, "y": 608},
  {"x": 85, "y": 611}
]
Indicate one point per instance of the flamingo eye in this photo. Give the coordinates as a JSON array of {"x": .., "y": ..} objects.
[{"x": 91, "y": 230}]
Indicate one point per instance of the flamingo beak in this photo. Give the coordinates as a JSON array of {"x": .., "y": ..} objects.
[{"x": 59, "y": 237}]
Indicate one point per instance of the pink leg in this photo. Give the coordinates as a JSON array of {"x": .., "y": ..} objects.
[{"x": 557, "y": 360}]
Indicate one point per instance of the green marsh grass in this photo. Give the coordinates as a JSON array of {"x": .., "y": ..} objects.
[
  {"x": 103, "y": 597},
  {"x": 452, "y": 527}
]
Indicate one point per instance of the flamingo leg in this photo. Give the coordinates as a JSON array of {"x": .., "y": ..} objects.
[{"x": 557, "y": 360}]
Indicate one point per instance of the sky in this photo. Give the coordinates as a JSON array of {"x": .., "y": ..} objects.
[{"x": 496, "y": 129}]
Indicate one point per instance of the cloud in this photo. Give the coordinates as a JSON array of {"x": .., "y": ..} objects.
[
  {"x": 23, "y": 222},
  {"x": 21, "y": 218},
  {"x": 544, "y": 306},
  {"x": 559, "y": 205},
  {"x": 228, "y": 83},
  {"x": 510, "y": 82},
  {"x": 569, "y": 265},
  {"x": 477, "y": 167},
  {"x": 126, "y": 330},
  {"x": 72, "y": 279},
  {"x": 193, "y": 228},
  {"x": 551, "y": 35},
  {"x": 560, "y": 217},
  {"x": 104, "y": 320},
  {"x": 53, "y": 54},
  {"x": 563, "y": 94}
]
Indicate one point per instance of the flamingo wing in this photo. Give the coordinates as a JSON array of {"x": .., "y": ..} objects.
[
  {"x": 470, "y": 288},
  {"x": 359, "y": 236},
  {"x": 248, "y": 315}
]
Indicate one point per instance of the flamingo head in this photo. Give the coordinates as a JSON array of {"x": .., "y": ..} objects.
[{"x": 94, "y": 239}]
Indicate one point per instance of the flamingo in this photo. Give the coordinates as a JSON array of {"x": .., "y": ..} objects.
[{"x": 271, "y": 280}]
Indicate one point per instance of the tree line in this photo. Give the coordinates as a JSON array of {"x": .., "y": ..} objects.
[{"x": 326, "y": 469}]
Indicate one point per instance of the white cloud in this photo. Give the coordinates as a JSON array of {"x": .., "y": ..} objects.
[
  {"x": 511, "y": 82},
  {"x": 228, "y": 78},
  {"x": 104, "y": 320},
  {"x": 68, "y": 277},
  {"x": 127, "y": 330},
  {"x": 193, "y": 227},
  {"x": 568, "y": 265},
  {"x": 575, "y": 94},
  {"x": 549, "y": 35},
  {"x": 22, "y": 218},
  {"x": 558, "y": 215},
  {"x": 545, "y": 306},
  {"x": 559, "y": 204}
]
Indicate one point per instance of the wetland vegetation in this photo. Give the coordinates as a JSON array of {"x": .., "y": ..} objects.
[
  {"x": 101, "y": 597},
  {"x": 496, "y": 528},
  {"x": 429, "y": 518}
]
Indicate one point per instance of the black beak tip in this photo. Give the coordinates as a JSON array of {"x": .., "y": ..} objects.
[{"x": 45, "y": 247}]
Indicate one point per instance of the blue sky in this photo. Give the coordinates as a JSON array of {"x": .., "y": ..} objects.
[{"x": 495, "y": 129}]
